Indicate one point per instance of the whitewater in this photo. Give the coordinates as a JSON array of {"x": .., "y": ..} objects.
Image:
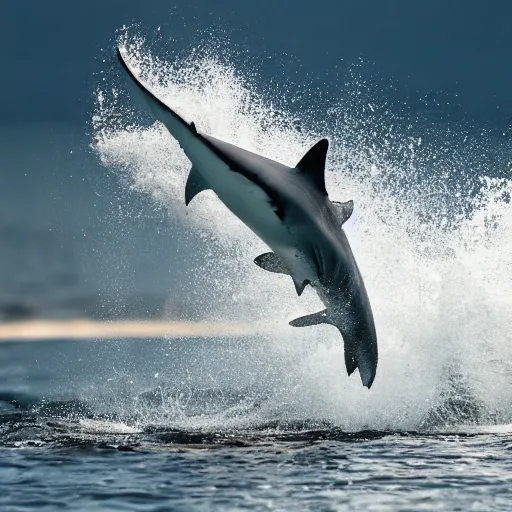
[{"x": 430, "y": 232}]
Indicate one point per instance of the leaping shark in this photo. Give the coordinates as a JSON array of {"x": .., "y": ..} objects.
[{"x": 290, "y": 210}]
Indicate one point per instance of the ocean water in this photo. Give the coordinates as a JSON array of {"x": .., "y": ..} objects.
[
  {"x": 203, "y": 425},
  {"x": 272, "y": 421}
]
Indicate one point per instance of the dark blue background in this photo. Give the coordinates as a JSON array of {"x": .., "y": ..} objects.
[
  {"x": 71, "y": 238},
  {"x": 50, "y": 50}
]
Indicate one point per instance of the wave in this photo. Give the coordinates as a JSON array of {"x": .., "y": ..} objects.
[{"x": 26, "y": 421}]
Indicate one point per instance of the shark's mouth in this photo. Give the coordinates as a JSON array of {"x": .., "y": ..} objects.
[{"x": 431, "y": 230}]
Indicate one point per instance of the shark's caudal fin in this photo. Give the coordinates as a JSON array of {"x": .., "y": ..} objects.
[
  {"x": 354, "y": 355},
  {"x": 350, "y": 357},
  {"x": 312, "y": 165},
  {"x": 357, "y": 357}
]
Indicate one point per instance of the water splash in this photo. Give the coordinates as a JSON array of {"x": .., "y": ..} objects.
[{"x": 431, "y": 234}]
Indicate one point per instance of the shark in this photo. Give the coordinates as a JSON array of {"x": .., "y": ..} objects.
[{"x": 289, "y": 209}]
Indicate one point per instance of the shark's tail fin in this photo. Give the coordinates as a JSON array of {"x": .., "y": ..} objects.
[{"x": 360, "y": 351}]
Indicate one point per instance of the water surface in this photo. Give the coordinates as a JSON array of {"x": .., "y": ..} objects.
[{"x": 65, "y": 445}]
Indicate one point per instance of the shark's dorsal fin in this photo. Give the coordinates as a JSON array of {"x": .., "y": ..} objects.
[
  {"x": 272, "y": 263},
  {"x": 314, "y": 319},
  {"x": 193, "y": 127},
  {"x": 195, "y": 184},
  {"x": 312, "y": 165},
  {"x": 344, "y": 210}
]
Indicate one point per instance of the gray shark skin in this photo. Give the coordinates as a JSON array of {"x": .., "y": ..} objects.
[{"x": 289, "y": 209}]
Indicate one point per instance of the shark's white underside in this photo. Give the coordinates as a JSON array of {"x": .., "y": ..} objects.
[{"x": 249, "y": 203}]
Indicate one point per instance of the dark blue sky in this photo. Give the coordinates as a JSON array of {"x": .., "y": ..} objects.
[{"x": 50, "y": 50}]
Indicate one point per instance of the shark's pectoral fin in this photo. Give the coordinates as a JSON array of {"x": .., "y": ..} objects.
[
  {"x": 300, "y": 285},
  {"x": 312, "y": 165},
  {"x": 272, "y": 263},
  {"x": 344, "y": 210},
  {"x": 314, "y": 319},
  {"x": 195, "y": 184}
]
